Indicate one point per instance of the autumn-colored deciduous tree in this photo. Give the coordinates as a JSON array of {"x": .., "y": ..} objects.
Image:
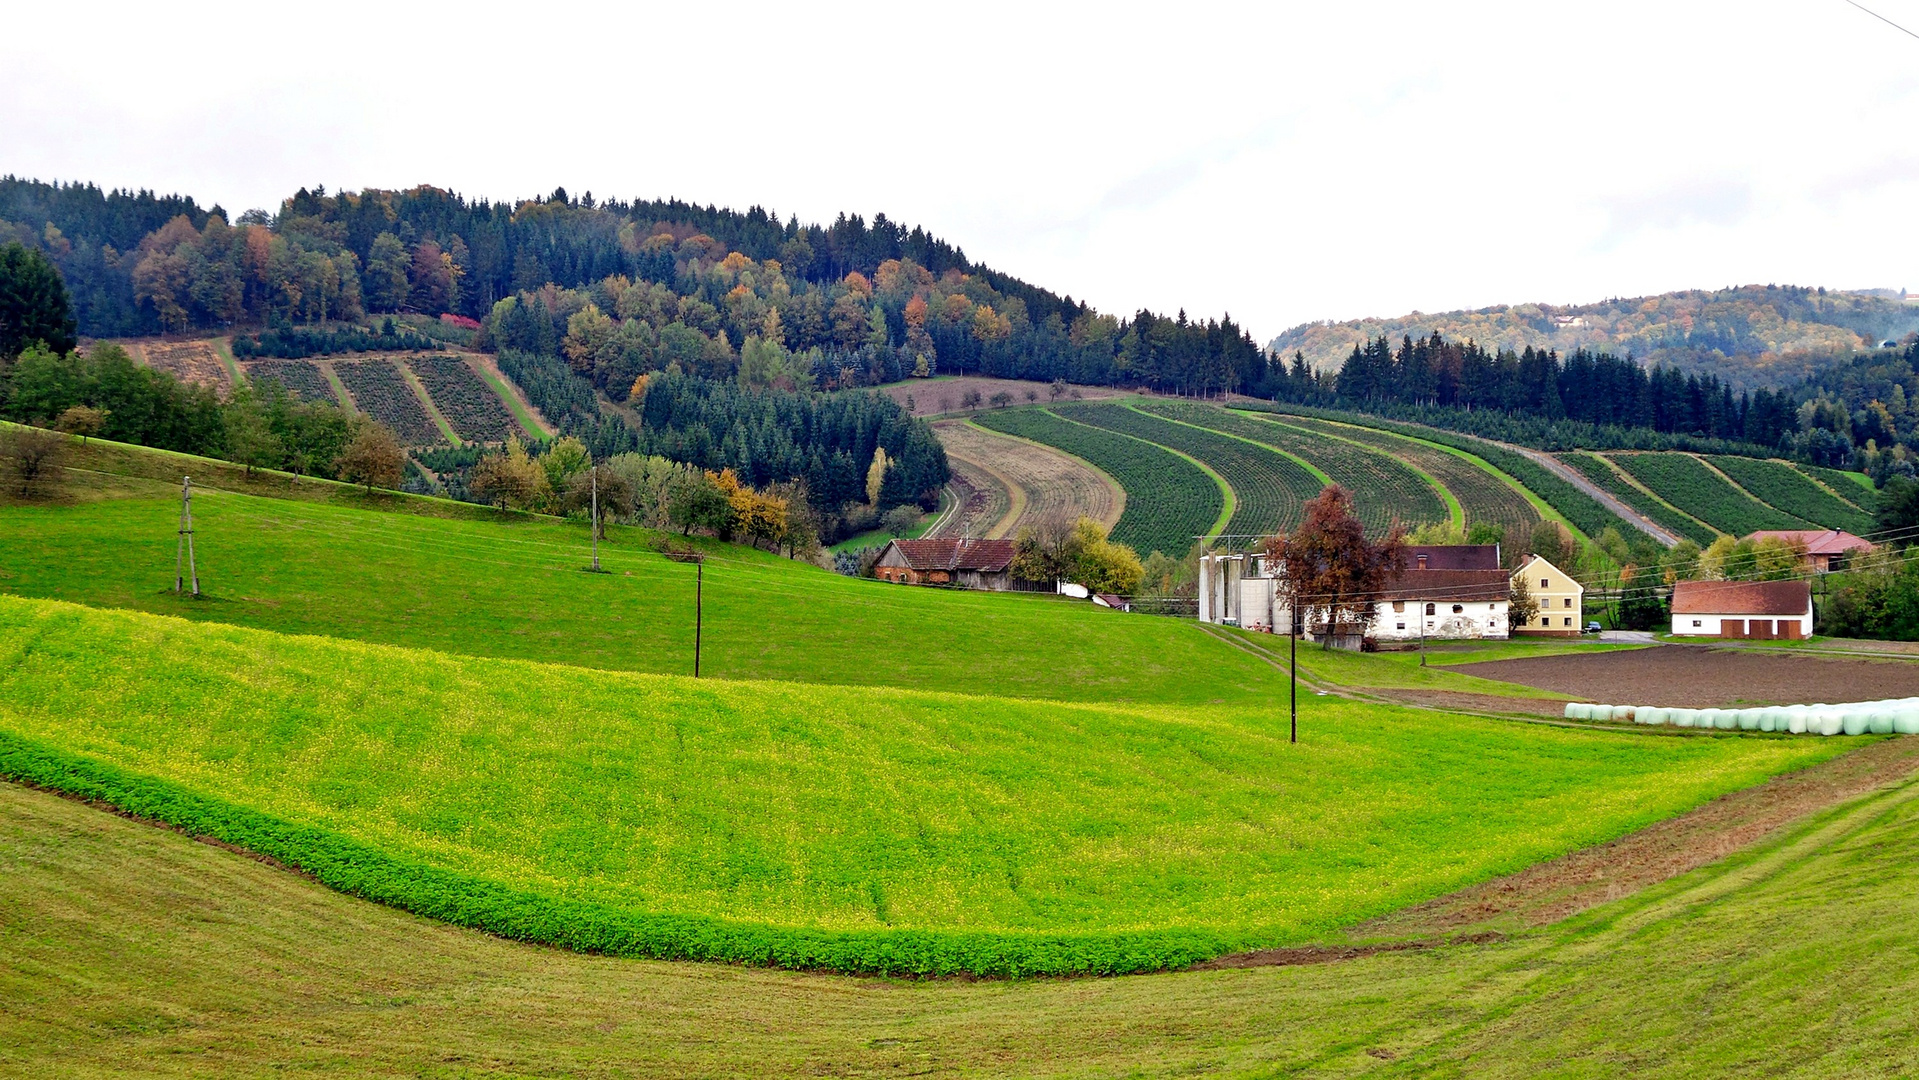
[
  {"x": 374, "y": 457},
  {"x": 1330, "y": 574}
]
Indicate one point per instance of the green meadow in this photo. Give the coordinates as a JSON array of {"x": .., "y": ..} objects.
[{"x": 815, "y": 826}]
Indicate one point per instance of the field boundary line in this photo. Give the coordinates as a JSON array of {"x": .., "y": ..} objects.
[
  {"x": 1112, "y": 485},
  {"x": 426, "y": 401},
  {"x": 1632, "y": 481},
  {"x": 529, "y": 420},
  {"x": 1318, "y": 473},
  {"x": 223, "y": 349},
  {"x": 1453, "y": 506},
  {"x": 1743, "y": 490},
  {"x": 340, "y": 391},
  {"x": 1225, "y": 489},
  {"x": 1544, "y": 508}
]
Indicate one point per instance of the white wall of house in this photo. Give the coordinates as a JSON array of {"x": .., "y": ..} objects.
[
  {"x": 1400, "y": 620},
  {"x": 1713, "y": 625}
]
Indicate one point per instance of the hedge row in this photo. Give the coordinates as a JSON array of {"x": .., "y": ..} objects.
[{"x": 465, "y": 900}]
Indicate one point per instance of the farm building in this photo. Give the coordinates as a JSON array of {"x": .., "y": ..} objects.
[
  {"x": 1561, "y": 599},
  {"x": 1742, "y": 609},
  {"x": 1826, "y": 549},
  {"x": 968, "y": 564},
  {"x": 1445, "y": 591}
]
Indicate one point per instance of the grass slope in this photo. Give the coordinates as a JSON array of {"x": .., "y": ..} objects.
[
  {"x": 130, "y": 950},
  {"x": 513, "y": 588},
  {"x": 845, "y": 828}
]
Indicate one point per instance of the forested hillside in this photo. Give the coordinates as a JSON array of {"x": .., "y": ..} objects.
[
  {"x": 1750, "y": 336},
  {"x": 876, "y": 300}
]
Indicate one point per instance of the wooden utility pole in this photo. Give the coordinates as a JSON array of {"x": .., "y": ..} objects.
[
  {"x": 183, "y": 567},
  {"x": 1292, "y": 666},
  {"x": 596, "y": 519},
  {"x": 699, "y": 609}
]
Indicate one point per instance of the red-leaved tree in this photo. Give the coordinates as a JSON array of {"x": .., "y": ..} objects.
[{"x": 1328, "y": 571}]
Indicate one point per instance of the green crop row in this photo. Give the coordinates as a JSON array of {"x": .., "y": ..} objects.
[
  {"x": 1483, "y": 496},
  {"x": 1585, "y": 513},
  {"x": 301, "y": 378},
  {"x": 1851, "y": 486},
  {"x": 380, "y": 392},
  {"x": 1686, "y": 482},
  {"x": 1269, "y": 489},
  {"x": 1169, "y": 500},
  {"x": 1384, "y": 491},
  {"x": 1785, "y": 488},
  {"x": 1596, "y": 470},
  {"x": 467, "y": 402}
]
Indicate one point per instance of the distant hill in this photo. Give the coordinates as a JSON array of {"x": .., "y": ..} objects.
[{"x": 1754, "y": 335}]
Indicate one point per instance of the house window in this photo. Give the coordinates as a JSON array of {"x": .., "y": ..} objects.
[
  {"x": 1569, "y": 620},
  {"x": 1545, "y": 583},
  {"x": 1569, "y": 601},
  {"x": 1695, "y": 622},
  {"x": 1457, "y": 608},
  {"x": 1399, "y": 607},
  {"x": 1402, "y": 626},
  {"x": 1429, "y": 609}
]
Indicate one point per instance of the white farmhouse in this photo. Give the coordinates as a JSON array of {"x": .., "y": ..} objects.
[
  {"x": 1446, "y": 592},
  {"x": 1742, "y": 609}
]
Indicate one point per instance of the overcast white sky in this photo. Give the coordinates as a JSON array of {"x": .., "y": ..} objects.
[{"x": 1284, "y": 162}]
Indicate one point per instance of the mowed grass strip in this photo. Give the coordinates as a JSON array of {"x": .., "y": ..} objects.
[
  {"x": 514, "y": 588},
  {"x": 1169, "y": 500},
  {"x": 812, "y": 826},
  {"x": 1269, "y": 488},
  {"x": 1483, "y": 495},
  {"x": 1385, "y": 491}
]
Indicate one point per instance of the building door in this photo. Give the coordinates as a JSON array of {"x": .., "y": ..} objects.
[
  {"x": 1760, "y": 628},
  {"x": 1732, "y": 628}
]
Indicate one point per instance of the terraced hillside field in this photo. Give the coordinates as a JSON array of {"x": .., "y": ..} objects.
[
  {"x": 1021, "y": 483},
  {"x": 1852, "y": 487},
  {"x": 1785, "y": 488},
  {"x": 475, "y": 412},
  {"x": 1594, "y": 468},
  {"x": 187, "y": 361},
  {"x": 1269, "y": 488},
  {"x": 301, "y": 378},
  {"x": 379, "y": 391},
  {"x": 984, "y": 501},
  {"x": 1686, "y": 482},
  {"x": 1482, "y": 494},
  {"x": 1169, "y": 500},
  {"x": 1384, "y": 491}
]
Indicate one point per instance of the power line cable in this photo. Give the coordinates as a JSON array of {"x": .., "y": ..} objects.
[{"x": 1882, "y": 18}]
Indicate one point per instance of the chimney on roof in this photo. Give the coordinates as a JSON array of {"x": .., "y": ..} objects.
[{"x": 1422, "y": 560}]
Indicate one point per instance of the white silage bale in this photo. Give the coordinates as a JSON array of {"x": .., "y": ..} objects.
[
  {"x": 1831, "y": 722},
  {"x": 1725, "y": 719},
  {"x": 1748, "y": 719},
  {"x": 1656, "y": 716},
  {"x": 1906, "y": 721},
  {"x": 1625, "y": 712},
  {"x": 1573, "y": 710},
  {"x": 1769, "y": 720},
  {"x": 1880, "y": 722},
  {"x": 1796, "y": 721},
  {"x": 1684, "y": 717},
  {"x": 1855, "y": 721}
]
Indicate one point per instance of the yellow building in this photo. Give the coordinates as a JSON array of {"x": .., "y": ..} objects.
[{"x": 1559, "y": 597}]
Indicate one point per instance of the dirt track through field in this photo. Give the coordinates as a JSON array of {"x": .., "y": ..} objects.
[
  {"x": 1042, "y": 482},
  {"x": 1568, "y": 885},
  {"x": 1697, "y": 676}
]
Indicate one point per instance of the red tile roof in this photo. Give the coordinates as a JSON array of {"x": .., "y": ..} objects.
[
  {"x": 1817, "y": 541},
  {"x": 1453, "y": 556},
  {"x": 1741, "y": 598},
  {"x": 987, "y": 556},
  {"x": 1448, "y": 586}
]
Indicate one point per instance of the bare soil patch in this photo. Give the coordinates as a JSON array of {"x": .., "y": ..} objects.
[
  {"x": 984, "y": 502},
  {"x": 1698, "y": 676},
  {"x": 1455, "y": 700},
  {"x": 188, "y": 361},
  {"x": 932, "y": 397},
  {"x": 1043, "y": 483},
  {"x": 1554, "y": 890}
]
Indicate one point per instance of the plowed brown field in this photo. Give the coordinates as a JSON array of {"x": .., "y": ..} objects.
[
  {"x": 1040, "y": 482},
  {"x": 1698, "y": 676}
]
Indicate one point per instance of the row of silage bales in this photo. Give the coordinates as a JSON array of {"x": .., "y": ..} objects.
[{"x": 1891, "y": 716}]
